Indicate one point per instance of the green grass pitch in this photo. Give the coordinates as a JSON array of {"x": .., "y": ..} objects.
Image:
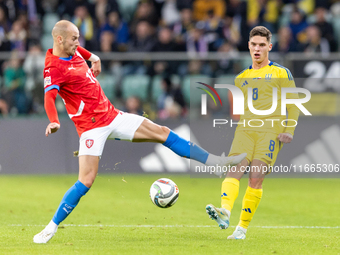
[{"x": 295, "y": 216}]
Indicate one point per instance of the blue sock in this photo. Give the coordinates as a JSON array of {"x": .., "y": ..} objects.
[
  {"x": 70, "y": 201},
  {"x": 185, "y": 148}
]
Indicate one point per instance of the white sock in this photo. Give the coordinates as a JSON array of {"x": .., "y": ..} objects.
[
  {"x": 52, "y": 226},
  {"x": 212, "y": 160}
]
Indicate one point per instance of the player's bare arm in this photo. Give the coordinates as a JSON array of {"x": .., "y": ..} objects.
[
  {"x": 96, "y": 67},
  {"x": 285, "y": 137}
]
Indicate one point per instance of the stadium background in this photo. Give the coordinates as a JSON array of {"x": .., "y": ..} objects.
[{"x": 150, "y": 51}]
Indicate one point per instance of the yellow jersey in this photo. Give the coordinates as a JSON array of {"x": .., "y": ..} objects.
[{"x": 262, "y": 81}]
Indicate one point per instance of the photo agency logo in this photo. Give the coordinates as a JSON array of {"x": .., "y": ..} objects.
[
  {"x": 252, "y": 95},
  {"x": 204, "y": 97}
]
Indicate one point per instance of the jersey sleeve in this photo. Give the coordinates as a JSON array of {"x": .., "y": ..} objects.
[
  {"x": 287, "y": 79},
  {"x": 237, "y": 81},
  {"x": 53, "y": 79},
  {"x": 84, "y": 53},
  {"x": 292, "y": 109},
  {"x": 49, "y": 103}
]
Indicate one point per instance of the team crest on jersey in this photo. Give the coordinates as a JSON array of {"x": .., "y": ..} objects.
[
  {"x": 268, "y": 77},
  {"x": 89, "y": 143},
  {"x": 47, "y": 81}
]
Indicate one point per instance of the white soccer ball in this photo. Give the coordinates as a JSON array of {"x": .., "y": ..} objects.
[{"x": 164, "y": 193}]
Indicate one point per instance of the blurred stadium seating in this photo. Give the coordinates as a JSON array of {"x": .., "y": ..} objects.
[{"x": 126, "y": 74}]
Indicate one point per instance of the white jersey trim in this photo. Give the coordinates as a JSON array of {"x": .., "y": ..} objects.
[{"x": 80, "y": 110}]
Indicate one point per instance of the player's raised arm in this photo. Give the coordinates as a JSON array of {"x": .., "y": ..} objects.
[
  {"x": 95, "y": 60},
  {"x": 51, "y": 111}
]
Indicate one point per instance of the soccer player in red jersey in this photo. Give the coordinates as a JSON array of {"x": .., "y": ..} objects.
[{"x": 96, "y": 119}]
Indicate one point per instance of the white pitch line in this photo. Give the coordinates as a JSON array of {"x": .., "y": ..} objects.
[{"x": 174, "y": 226}]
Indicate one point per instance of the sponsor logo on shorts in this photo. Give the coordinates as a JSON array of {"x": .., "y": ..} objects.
[
  {"x": 89, "y": 143},
  {"x": 270, "y": 155}
]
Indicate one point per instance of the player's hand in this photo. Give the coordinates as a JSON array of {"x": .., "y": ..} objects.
[
  {"x": 96, "y": 68},
  {"x": 52, "y": 128},
  {"x": 285, "y": 137}
]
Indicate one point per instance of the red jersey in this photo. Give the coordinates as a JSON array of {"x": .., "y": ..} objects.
[{"x": 85, "y": 101}]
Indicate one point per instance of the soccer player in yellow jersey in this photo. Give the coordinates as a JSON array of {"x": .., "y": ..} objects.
[{"x": 260, "y": 136}]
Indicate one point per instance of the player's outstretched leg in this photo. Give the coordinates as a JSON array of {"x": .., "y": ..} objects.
[
  {"x": 220, "y": 215},
  {"x": 190, "y": 150},
  {"x": 229, "y": 161},
  {"x": 148, "y": 131},
  {"x": 68, "y": 203}
]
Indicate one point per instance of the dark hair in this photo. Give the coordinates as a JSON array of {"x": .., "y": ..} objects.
[{"x": 261, "y": 31}]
